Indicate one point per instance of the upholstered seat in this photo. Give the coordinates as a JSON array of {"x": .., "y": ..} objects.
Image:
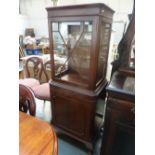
[
  {"x": 30, "y": 82},
  {"x": 42, "y": 91}
]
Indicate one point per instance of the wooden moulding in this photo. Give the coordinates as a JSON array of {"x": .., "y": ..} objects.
[{"x": 80, "y": 10}]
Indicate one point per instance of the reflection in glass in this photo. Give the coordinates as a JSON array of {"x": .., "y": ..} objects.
[
  {"x": 55, "y": 26},
  {"x": 72, "y": 42},
  {"x": 132, "y": 54},
  {"x": 102, "y": 59}
]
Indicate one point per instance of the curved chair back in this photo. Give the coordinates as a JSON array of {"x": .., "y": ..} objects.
[
  {"x": 35, "y": 68},
  {"x": 42, "y": 91},
  {"x": 21, "y": 52},
  {"x": 26, "y": 100},
  {"x": 47, "y": 68}
]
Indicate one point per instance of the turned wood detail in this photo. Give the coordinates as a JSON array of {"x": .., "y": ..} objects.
[{"x": 26, "y": 100}]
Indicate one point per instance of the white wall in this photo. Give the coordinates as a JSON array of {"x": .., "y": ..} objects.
[
  {"x": 23, "y": 23},
  {"x": 37, "y": 15}
]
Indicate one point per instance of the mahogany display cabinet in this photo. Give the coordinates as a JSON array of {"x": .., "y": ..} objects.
[{"x": 79, "y": 42}]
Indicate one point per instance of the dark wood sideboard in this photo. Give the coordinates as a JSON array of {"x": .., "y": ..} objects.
[{"x": 119, "y": 129}]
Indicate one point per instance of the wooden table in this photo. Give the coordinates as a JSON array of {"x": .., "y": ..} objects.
[{"x": 36, "y": 137}]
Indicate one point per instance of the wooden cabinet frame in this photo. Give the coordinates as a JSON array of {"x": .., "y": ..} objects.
[{"x": 73, "y": 105}]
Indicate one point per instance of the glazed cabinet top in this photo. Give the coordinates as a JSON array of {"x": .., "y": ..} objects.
[{"x": 79, "y": 42}]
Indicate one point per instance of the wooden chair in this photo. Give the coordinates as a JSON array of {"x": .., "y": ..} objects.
[
  {"x": 27, "y": 100},
  {"x": 21, "y": 52},
  {"x": 34, "y": 69},
  {"x": 42, "y": 91}
]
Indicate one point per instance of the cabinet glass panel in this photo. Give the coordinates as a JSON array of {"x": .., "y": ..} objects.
[
  {"x": 103, "y": 52},
  {"x": 71, "y": 46}
]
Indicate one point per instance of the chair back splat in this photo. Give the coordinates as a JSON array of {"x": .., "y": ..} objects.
[
  {"x": 47, "y": 67},
  {"x": 35, "y": 68},
  {"x": 42, "y": 91}
]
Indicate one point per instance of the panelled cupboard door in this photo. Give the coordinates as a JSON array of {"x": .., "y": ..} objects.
[{"x": 75, "y": 114}]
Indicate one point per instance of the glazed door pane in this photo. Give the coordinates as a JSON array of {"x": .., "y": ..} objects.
[
  {"x": 103, "y": 52},
  {"x": 71, "y": 47}
]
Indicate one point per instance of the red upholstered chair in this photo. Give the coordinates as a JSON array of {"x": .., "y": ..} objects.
[
  {"x": 34, "y": 71},
  {"x": 27, "y": 100},
  {"x": 42, "y": 91}
]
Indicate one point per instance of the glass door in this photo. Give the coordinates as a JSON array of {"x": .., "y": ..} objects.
[{"x": 71, "y": 47}]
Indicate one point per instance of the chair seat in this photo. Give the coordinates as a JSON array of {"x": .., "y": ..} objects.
[
  {"x": 30, "y": 82},
  {"x": 42, "y": 91}
]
